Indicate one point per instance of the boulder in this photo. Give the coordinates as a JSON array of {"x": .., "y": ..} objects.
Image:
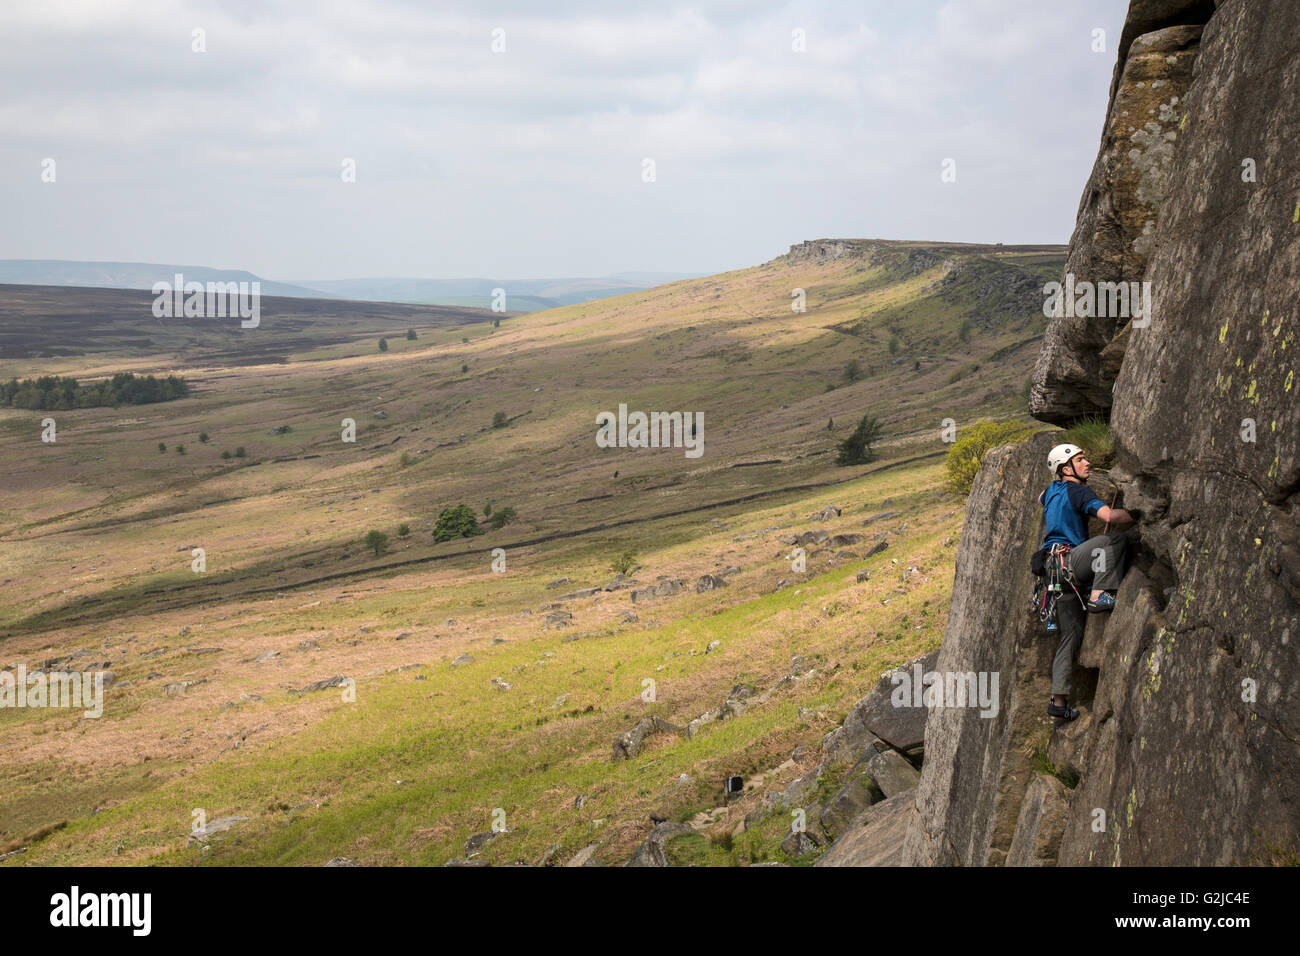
[
  {"x": 651, "y": 852},
  {"x": 859, "y": 791},
  {"x": 892, "y": 774},
  {"x": 875, "y": 837},
  {"x": 844, "y": 540},
  {"x": 212, "y": 829},
  {"x": 798, "y": 843},
  {"x": 629, "y": 744},
  {"x": 708, "y": 582},
  {"x": 876, "y": 716}
]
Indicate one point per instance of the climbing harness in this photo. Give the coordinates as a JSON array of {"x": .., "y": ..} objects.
[{"x": 1051, "y": 584}]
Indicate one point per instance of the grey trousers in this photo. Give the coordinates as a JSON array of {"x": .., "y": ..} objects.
[{"x": 1109, "y": 559}]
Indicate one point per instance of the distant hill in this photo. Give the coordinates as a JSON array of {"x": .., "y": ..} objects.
[
  {"x": 522, "y": 295},
  {"x": 134, "y": 275}
]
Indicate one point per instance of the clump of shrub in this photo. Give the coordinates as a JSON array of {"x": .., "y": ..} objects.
[
  {"x": 973, "y": 443},
  {"x": 239, "y": 452},
  {"x": 410, "y": 335},
  {"x": 383, "y": 345},
  {"x": 457, "y": 522},
  {"x": 500, "y": 420},
  {"x": 625, "y": 563},
  {"x": 1093, "y": 436},
  {"x": 502, "y": 518},
  {"x": 403, "y": 530}
]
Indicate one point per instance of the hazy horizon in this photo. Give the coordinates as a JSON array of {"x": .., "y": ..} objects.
[{"x": 528, "y": 163}]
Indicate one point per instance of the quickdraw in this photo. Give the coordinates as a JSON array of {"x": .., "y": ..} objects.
[{"x": 1050, "y": 587}]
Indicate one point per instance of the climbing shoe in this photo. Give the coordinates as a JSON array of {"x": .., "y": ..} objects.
[
  {"x": 1102, "y": 604},
  {"x": 1066, "y": 713}
]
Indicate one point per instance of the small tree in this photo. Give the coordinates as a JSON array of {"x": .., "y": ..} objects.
[
  {"x": 894, "y": 345},
  {"x": 403, "y": 530},
  {"x": 856, "y": 449},
  {"x": 239, "y": 452},
  {"x": 376, "y": 541},
  {"x": 410, "y": 335},
  {"x": 499, "y": 420},
  {"x": 852, "y": 371},
  {"x": 968, "y": 451},
  {"x": 625, "y": 563},
  {"x": 457, "y": 522},
  {"x": 487, "y": 510},
  {"x": 503, "y": 517},
  {"x": 162, "y": 449},
  {"x": 180, "y": 449},
  {"x": 203, "y": 438},
  {"x": 830, "y": 425},
  {"x": 464, "y": 369},
  {"x": 963, "y": 333},
  {"x": 225, "y": 454},
  {"x": 383, "y": 345}
]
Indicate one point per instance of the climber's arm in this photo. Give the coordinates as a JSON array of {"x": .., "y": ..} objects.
[{"x": 1114, "y": 515}]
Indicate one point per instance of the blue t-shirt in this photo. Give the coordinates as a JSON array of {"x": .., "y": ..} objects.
[{"x": 1066, "y": 506}]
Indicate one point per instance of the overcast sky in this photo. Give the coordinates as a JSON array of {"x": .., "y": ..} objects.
[{"x": 529, "y": 162}]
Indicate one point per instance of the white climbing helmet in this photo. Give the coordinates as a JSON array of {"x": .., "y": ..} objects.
[{"x": 1059, "y": 455}]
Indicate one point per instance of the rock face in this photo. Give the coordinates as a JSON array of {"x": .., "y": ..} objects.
[
  {"x": 976, "y": 768},
  {"x": 1187, "y": 751},
  {"x": 1117, "y": 214}
]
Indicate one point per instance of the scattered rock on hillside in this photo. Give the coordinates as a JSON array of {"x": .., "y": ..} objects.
[
  {"x": 651, "y": 852},
  {"x": 558, "y": 583},
  {"x": 844, "y": 540},
  {"x": 336, "y": 681},
  {"x": 827, "y": 513},
  {"x": 579, "y": 594},
  {"x": 877, "y": 548},
  {"x": 585, "y": 857},
  {"x": 462, "y": 660},
  {"x": 557, "y": 619},
  {"x": 628, "y": 617},
  {"x": 708, "y": 582},
  {"x": 863, "y": 575},
  {"x": 479, "y": 840},
  {"x": 342, "y": 861},
  {"x": 883, "y": 516},
  {"x": 713, "y": 646},
  {"x": 798, "y": 843},
  {"x": 213, "y": 828},
  {"x": 499, "y": 684},
  {"x": 629, "y": 744}
]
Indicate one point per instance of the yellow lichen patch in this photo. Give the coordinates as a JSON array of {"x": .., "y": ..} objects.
[
  {"x": 1290, "y": 377},
  {"x": 1223, "y": 331}
]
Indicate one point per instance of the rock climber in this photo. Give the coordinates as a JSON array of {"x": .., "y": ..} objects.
[{"x": 1096, "y": 564}]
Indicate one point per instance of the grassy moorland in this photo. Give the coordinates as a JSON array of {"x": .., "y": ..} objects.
[{"x": 97, "y": 531}]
